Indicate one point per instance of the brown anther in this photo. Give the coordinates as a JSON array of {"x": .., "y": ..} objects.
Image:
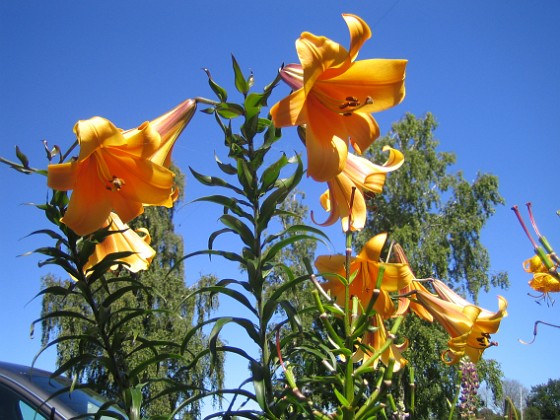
[
  {"x": 351, "y": 102},
  {"x": 484, "y": 340},
  {"x": 115, "y": 184}
]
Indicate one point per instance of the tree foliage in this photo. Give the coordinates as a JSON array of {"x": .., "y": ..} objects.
[
  {"x": 544, "y": 401},
  {"x": 437, "y": 217}
]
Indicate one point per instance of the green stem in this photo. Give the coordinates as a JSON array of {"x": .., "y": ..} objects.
[
  {"x": 412, "y": 385},
  {"x": 325, "y": 320},
  {"x": 206, "y": 101},
  {"x": 65, "y": 156},
  {"x": 348, "y": 411},
  {"x": 456, "y": 399},
  {"x": 366, "y": 366}
]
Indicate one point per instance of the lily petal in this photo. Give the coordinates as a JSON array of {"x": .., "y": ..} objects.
[
  {"x": 359, "y": 33},
  {"x": 122, "y": 240},
  {"x": 290, "y": 111}
]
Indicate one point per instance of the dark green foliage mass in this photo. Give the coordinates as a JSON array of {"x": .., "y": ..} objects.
[{"x": 543, "y": 401}]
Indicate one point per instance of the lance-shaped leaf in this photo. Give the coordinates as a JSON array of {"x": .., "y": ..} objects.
[
  {"x": 219, "y": 324},
  {"x": 240, "y": 228},
  {"x": 212, "y": 181},
  {"x": 231, "y": 256},
  {"x": 245, "y": 175},
  {"x": 229, "y": 110},
  {"x": 271, "y": 174},
  {"x": 272, "y": 301},
  {"x": 290, "y": 230},
  {"x": 217, "y": 89},
  {"x": 270, "y": 204},
  {"x": 241, "y": 84},
  {"x": 234, "y": 294},
  {"x": 258, "y": 382},
  {"x": 215, "y": 235},
  {"x": 271, "y": 252},
  {"x": 230, "y": 204},
  {"x": 225, "y": 167}
]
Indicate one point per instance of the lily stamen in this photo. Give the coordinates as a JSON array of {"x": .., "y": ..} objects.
[
  {"x": 115, "y": 184},
  {"x": 354, "y": 104}
]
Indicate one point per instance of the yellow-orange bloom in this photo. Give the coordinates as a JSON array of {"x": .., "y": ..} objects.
[
  {"x": 358, "y": 175},
  {"x": 366, "y": 267},
  {"x": 123, "y": 239},
  {"x": 376, "y": 339},
  {"x": 336, "y": 96},
  {"x": 543, "y": 281},
  {"x": 468, "y": 325},
  {"x": 119, "y": 171}
]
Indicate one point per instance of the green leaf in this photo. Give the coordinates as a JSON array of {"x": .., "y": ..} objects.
[
  {"x": 22, "y": 158},
  {"x": 247, "y": 325},
  {"x": 244, "y": 175},
  {"x": 217, "y": 89},
  {"x": 271, "y": 174},
  {"x": 284, "y": 287},
  {"x": 226, "y": 282},
  {"x": 241, "y": 84},
  {"x": 225, "y": 167},
  {"x": 258, "y": 383},
  {"x": 234, "y": 294},
  {"x": 213, "y": 181},
  {"x": 341, "y": 398},
  {"x": 133, "y": 396},
  {"x": 227, "y": 255},
  {"x": 214, "y": 235},
  {"x": 210, "y": 110},
  {"x": 271, "y": 252},
  {"x": 240, "y": 228},
  {"x": 296, "y": 229},
  {"x": 284, "y": 186},
  {"x": 229, "y": 110},
  {"x": 229, "y": 203},
  {"x": 117, "y": 294}
]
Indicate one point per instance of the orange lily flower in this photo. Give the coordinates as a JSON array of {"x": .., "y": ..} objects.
[
  {"x": 123, "y": 239},
  {"x": 468, "y": 325},
  {"x": 119, "y": 171},
  {"x": 336, "y": 96},
  {"x": 544, "y": 265},
  {"x": 366, "y": 268},
  {"x": 359, "y": 174},
  {"x": 543, "y": 280}
]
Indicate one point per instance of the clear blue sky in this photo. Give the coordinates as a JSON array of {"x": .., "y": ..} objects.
[{"x": 489, "y": 71}]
